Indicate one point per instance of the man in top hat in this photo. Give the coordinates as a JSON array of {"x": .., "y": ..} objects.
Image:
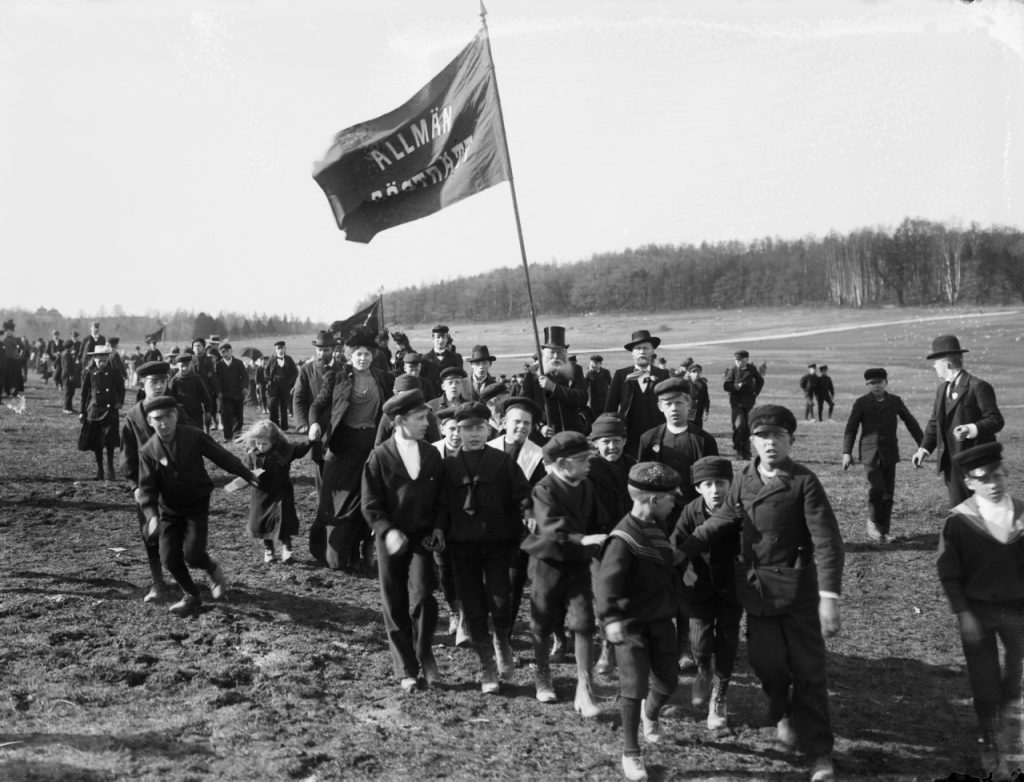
[
  {"x": 877, "y": 413},
  {"x": 442, "y": 356},
  {"x": 561, "y": 390},
  {"x": 791, "y": 561},
  {"x": 400, "y": 486},
  {"x": 281, "y": 376},
  {"x": 480, "y": 360},
  {"x": 743, "y": 383},
  {"x": 599, "y": 380},
  {"x": 307, "y": 386},
  {"x": 965, "y": 414},
  {"x": 631, "y": 394},
  {"x": 980, "y": 551},
  {"x": 232, "y": 383}
]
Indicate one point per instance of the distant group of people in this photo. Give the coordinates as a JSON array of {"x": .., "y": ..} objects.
[{"x": 602, "y": 490}]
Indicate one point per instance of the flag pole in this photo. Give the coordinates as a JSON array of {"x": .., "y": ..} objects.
[
  {"x": 512, "y": 187},
  {"x": 380, "y": 299}
]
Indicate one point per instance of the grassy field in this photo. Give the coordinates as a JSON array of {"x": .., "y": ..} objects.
[{"x": 290, "y": 678}]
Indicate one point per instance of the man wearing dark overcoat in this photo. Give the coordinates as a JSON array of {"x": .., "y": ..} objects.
[
  {"x": 480, "y": 360},
  {"x": 631, "y": 394},
  {"x": 743, "y": 383},
  {"x": 311, "y": 379},
  {"x": 599, "y": 380},
  {"x": 232, "y": 382},
  {"x": 561, "y": 391},
  {"x": 876, "y": 414},
  {"x": 441, "y": 357},
  {"x": 92, "y": 339},
  {"x": 53, "y": 350},
  {"x": 281, "y": 376},
  {"x": 71, "y": 368},
  {"x": 965, "y": 414}
]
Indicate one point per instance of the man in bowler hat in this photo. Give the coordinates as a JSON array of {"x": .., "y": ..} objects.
[{"x": 965, "y": 414}]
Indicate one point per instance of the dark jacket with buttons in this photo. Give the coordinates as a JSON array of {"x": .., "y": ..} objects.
[
  {"x": 790, "y": 545},
  {"x": 391, "y": 499}
]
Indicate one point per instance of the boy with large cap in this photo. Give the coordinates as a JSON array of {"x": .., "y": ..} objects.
[
  {"x": 712, "y": 612},
  {"x": 791, "y": 561},
  {"x": 401, "y": 485},
  {"x": 190, "y": 390},
  {"x": 636, "y": 592},
  {"x": 877, "y": 414},
  {"x": 481, "y": 509},
  {"x": 135, "y": 433},
  {"x": 568, "y": 521},
  {"x": 980, "y": 553},
  {"x": 174, "y": 494},
  {"x": 965, "y": 414}
]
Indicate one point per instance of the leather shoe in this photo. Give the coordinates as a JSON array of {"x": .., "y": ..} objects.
[{"x": 187, "y": 605}]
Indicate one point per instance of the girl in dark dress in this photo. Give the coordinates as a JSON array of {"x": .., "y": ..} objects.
[{"x": 272, "y": 513}]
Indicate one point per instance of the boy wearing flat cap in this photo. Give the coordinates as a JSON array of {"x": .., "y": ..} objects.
[
  {"x": 700, "y": 399},
  {"x": 452, "y": 388},
  {"x": 743, "y": 383},
  {"x": 709, "y": 591},
  {"x": 636, "y": 591},
  {"x": 569, "y": 521},
  {"x": 674, "y": 442},
  {"x": 232, "y": 382},
  {"x": 136, "y": 432},
  {"x": 791, "y": 569},
  {"x": 401, "y": 484},
  {"x": 174, "y": 494},
  {"x": 877, "y": 414},
  {"x": 965, "y": 414},
  {"x": 980, "y": 553},
  {"x": 481, "y": 509}
]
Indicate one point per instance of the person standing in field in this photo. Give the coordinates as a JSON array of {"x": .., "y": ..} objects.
[
  {"x": 281, "y": 376},
  {"x": 232, "y": 382},
  {"x": 809, "y": 386},
  {"x": 876, "y": 414},
  {"x": 102, "y": 399},
  {"x": 743, "y": 383},
  {"x": 981, "y": 549},
  {"x": 307, "y": 387},
  {"x": 700, "y": 399},
  {"x": 824, "y": 394},
  {"x": 964, "y": 414},
  {"x": 599, "y": 380}
]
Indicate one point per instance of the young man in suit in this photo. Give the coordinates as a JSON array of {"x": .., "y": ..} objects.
[
  {"x": 965, "y": 414},
  {"x": 400, "y": 487},
  {"x": 631, "y": 394},
  {"x": 442, "y": 356},
  {"x": 599, "y": 380},
  {"x": 824, "y": 394},
  {"x": 480, "y": 360},
  {"x": 700, "y": 399},
  {"x": 743, "y": 383},
  {"x": 281, "y": 376},
  {"x": 877, "y": 414},
  {"x": 232, "y": 383},
  {"x": 809, "y": 385},
  {"x": 792, "y": 564},
  {"x": 307, "y": 387}
]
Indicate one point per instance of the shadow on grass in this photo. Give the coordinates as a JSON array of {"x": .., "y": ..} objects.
[
  {"x": 313, "y": 612},
  {"x": 17, "y": 770},
  {"x": 68, "y": 505},
  {"x": 148, "y": 743},
  {"x": 106, "y": 588}
]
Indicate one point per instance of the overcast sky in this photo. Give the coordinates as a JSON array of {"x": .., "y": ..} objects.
[{"x": 158, "y": 153}]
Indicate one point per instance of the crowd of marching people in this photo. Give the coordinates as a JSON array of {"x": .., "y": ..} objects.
[{"x": 643, "y": 546}]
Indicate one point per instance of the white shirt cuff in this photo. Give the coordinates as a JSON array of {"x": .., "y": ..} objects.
[{"x": 823, "y": 593}]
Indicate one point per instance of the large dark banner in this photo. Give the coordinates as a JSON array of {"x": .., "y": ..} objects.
[{"x": 443, "y": 145}]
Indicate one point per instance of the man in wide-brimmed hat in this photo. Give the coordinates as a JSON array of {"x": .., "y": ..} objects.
[
  {"x": 561, "y": 390},
  {"x": 965, "y": 414},
  {"x": 480, "y": 360},
  {"x": 631, "y": 394}
]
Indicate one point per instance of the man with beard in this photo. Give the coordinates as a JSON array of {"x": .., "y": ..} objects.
[
  {"x": 281, "y": 376},
  {"x": 965, "y": 414},
  {"x": 307, "y": 387},
  {"x": 632, "y": 390},
  {"x": 442, "y": 357},
  {"x": 561, "y": 392}
]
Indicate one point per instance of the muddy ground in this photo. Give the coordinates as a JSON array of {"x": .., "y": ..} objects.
[{"x": 290, "y": 677}]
